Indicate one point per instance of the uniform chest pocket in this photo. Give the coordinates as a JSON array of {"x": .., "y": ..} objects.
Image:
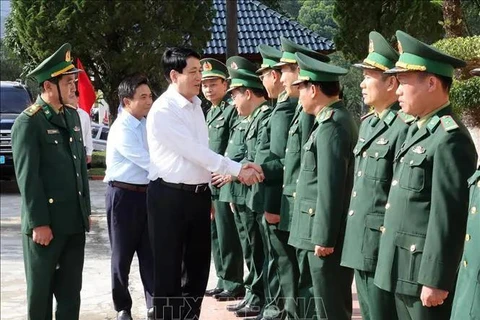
[
  {"x": 309, "y": 158},
  {"x": 239, "y": 136},
  {"x": 378, "y": 163},
  {"x": 413, "y": 172},
  {"x": 293, "y": 142},
  {"x": 54, "y": 139},
  {"x": 217, "y": 128}
]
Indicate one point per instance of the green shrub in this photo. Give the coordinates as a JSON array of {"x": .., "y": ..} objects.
[
  {"x": 465, "y": 97},
  {"x": 98, "y": 159},
  {"x": 465, "y": 48}
]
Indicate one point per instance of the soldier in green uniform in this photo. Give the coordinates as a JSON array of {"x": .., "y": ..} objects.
[
  {"x": 466, "y": 304},
  {"x": 226, "y": 248},
  {"x": 323, "y": 189},
  {"x": 266, "y": 197},
  {"x": 282, "y": 169},
  {"x": 426, "y": 211},
  {"x": 382, "y": 133},
  {"x": 235, "y": 193},
  {"x": 52, "y": 177},
  {"x": 248, "y": 95}
]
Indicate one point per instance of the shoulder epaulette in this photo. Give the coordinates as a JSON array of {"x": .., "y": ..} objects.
[
  {"x": 70, "y": 106},
  {"x": 367, "y": 115},
  {"x": 326, "y": 115},
  {"x": 282, "y": 97},
  {"x": 448, "y": 123},
  {"x": 390, "y": 117},
  {"x": 407, "y": 118},
  {"x": 30, "y": 111},
  {"x": 265, "y": 108},
  {"x": 433, "y": 123}
]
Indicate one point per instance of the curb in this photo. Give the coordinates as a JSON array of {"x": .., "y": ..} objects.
[{"x": 95, "y": 177}]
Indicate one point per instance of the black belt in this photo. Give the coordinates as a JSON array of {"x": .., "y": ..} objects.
[
  {"x": 129, "y": 186},
  {"x": 196, "y": 188}
]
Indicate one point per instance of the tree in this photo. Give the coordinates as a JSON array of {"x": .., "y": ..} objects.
[
  {"x": 417, "y": 17},
  {"x": 11, "y": 68},
  {"x": 471, "y": 16},
  {"x": 112, "y": 38},
  {"x": 317, "y": 15},
  {"x": 452, "y": 18}
]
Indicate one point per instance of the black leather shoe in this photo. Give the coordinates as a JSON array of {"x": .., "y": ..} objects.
[
  {"x": 212, "y": 292},
  {"x": 230, "y": 295},
  {"x": 124, "y": 315},
  {"x": 236, "y": 307},
  {"x": 151, "y": 314},
  {"x": 248, "y": 311}
]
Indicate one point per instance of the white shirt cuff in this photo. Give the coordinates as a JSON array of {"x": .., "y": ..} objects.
[{"x": 233, "y": 167}]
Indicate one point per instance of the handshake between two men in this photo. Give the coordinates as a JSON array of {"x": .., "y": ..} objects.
[{"x": 250, "y": 174}]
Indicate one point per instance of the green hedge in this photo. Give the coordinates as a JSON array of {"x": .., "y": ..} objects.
[
  {"x": 465, "y": 48},
  {"x": 98, "y": 159}
]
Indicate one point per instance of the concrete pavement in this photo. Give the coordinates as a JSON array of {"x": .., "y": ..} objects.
[{"x": 96, "y": 295}]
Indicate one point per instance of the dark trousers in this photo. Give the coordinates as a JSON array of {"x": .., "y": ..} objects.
[
  {"x": 128, "y": 233},
  {"x": 226, "y": 248},
  {"x": 411, "y": 308},
  {"x": 284, "y": 267},
  {"x": 179, "y": 229},
  {"x": 375, "y": 303},
  {"x": 54, "y": 270}
]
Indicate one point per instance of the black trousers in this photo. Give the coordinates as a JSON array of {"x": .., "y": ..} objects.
[
  {"x": 128, "y": 233},
  {"x": 179, "y": 229}
]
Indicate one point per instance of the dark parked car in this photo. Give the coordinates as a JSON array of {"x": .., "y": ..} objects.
[{"x": 14, "y": 98}]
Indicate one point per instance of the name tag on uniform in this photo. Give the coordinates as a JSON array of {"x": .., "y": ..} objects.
[
  {"x": 76, "y": 129},
  {"x": 419, "y": 149},
  {"x": 382, "y": 141},
  {"x": 53, "y": 131}
]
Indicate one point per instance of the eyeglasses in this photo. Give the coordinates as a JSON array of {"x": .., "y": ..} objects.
[
  {"x": 235, "y": 96},
  {"x": 262, "y": 76}
]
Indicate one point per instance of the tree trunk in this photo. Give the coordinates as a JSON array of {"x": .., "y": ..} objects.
[
  {"x": 453, "y": 18},
  {"x": 232, "y": 28}
]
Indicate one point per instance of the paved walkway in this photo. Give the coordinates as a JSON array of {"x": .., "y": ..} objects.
[{"x": 96, "y": 298}]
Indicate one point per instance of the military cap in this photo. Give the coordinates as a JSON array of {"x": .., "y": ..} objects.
[
  {"x": 289, "y": 48},
  {"x": 316, "y": 70},
  {"x": 418, "y": 56},
  {"x": 57, "y": 64},
  {"x": 475, "y": 72},
  {"x": 237, "y": 62},
  {"x": 271, "y": 57},
  {"x": 381, "y": 55},
  {"x": 243, "y": 78},
  {"x": 212, "y": 68}
]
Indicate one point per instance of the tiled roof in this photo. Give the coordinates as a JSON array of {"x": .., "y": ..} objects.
[{"x": 259, "y": 24}]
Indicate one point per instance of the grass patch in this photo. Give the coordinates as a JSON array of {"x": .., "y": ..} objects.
[{"x": 96, "y": 172}]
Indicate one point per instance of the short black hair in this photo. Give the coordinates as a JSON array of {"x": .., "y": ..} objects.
[
  {"x": 445, "y": 81},
  {"x": 330, "y": 88},
  {"x": 128, "y": 86},
  {"x": 256, "y": 91},
  {"x": 175, "y": 58}
]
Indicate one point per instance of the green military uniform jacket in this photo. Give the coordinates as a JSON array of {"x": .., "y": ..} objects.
[
  {"x": 466, "y": 304},
  {"x": 235, "y": 192},
  {"x": 51, "y": 169},
  {"x": 379, "y": 140},
  {"x": 325, "y": 181},
  {"x": 272, "y": 148},
  {"x": 277, "y": 130},
  {"x": 255, "y": 140},
  {"x": 425, "y": 214},
  {"x": 220, "y": 120},
  {"x": 288, "y": 168}
]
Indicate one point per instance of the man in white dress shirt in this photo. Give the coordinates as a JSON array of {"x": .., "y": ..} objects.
[
  {"x": 179, "y": 202},
  {"x": 126, "y": 199}
]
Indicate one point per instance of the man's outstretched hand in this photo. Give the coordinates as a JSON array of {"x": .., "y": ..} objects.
[{"x": 251, "y": 173}]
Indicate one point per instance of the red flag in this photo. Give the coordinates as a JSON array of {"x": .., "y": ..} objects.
[{"x": 86, "y": 93}]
